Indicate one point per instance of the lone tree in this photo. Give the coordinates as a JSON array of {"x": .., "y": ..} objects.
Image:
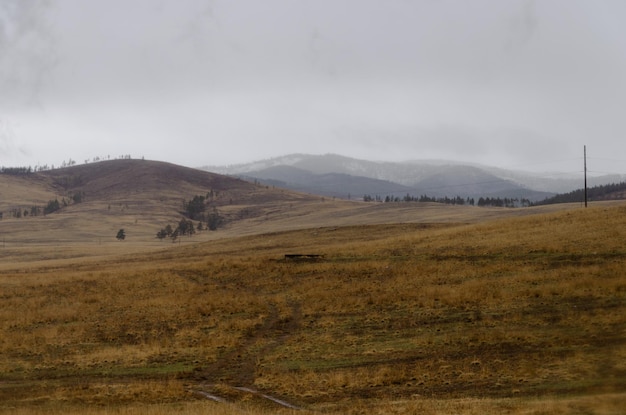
[
  {"x": 121, "y": 235},
  {"x": 162, "y": 234},
  {"x": 214, "y": 220},
  {"x": 195, "y": 207}
]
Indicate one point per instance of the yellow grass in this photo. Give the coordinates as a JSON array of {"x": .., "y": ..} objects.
[
  {"x": 597, "y": 404},
  {"x": 523, "y": 315}
]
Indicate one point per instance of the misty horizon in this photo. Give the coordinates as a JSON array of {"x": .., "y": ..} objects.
[
  {"x": 576, "y": 165},
  {"x": 520, "y": 84}
]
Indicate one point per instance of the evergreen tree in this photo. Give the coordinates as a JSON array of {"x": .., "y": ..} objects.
[
  {"x": 195, "y": 207},
  {"x": 214, "y": 220},
  {"x": 52, "y": 206},
  {"x": 168, "y": 230}
]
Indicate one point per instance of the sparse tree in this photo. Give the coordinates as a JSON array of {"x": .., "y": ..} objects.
[
  {"x": 174, "y": 235},
  {"x": 195, "y": 207},
  {"x": 168, "y": 230},
  {"x": 78, "y": 196},
  {"x": 185, "y": 227},
  {"x": 52, "y": 206},
  {"x": 121, "y": 235},
  {"x": 214, "y": 220}
]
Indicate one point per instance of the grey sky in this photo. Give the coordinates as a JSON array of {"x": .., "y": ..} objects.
[{"x": 510, "y": 83}]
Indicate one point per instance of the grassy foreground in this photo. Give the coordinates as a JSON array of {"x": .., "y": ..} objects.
[{"x": 523, "y": 316}]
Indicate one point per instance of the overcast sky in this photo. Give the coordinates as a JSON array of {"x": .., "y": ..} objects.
[{"x": 512, "y": 83}]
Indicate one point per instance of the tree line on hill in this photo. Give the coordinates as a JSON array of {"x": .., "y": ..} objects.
[
  {"x": 16, "y": 171},
  {"x": 51, "y": 207},
  {"x": 601, "y": 192},
  {"x": 458, "y": 200},
  {"x": 22, "y": 170},
  {"x": 198, "y": 208}
]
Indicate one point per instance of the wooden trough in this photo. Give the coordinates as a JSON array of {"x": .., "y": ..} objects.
[{"x": 303, "y": 257}]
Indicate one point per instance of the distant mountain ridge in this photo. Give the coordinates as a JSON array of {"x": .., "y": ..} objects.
[
  {"x": 340, "y": 176},
  {"x": 340, "y": 185}
]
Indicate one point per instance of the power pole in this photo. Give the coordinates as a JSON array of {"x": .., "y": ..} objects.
[{"x": 585, "y": 157}]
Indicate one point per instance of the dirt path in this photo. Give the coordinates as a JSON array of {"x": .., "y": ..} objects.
[{"x": 237, "y": 367}]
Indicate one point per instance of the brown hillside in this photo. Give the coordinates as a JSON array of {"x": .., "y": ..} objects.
[
  {"x": 24, "y": 191},
  {"x": 132, "y": 182},
  {"x": 518, "y": 316},
  {"x": 139, "y": 196},
  {"x": 127, "y": 178},
  {"x": 143, "y": 196}
]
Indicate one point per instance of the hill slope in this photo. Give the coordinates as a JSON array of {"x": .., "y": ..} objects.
[
  {"x": 431, "y": 178},
  {"x": 121, "y": 179},
  {"x": 142, "y": 197},
  {"x": 340, "y": 185},
  {"x": 613, "y": 191},
  {"x": 138, "y": 195},
  {"x": 515, "y": 316}
]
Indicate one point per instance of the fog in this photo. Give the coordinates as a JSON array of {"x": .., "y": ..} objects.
[{"x": 516, "y": 84}]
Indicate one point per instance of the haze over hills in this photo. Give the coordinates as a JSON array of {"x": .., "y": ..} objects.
[
  {"x": 141, "y": 196},
  {"x": 335, "y": 175}
]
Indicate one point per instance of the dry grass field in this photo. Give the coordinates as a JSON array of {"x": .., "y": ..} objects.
[{"x": 412, "y": 309}]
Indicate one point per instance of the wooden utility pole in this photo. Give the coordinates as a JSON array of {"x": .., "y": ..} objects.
[{"x": 585, "y": 157}]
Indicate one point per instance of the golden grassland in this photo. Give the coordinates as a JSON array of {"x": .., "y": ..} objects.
[
  {"x": 87, "y": 230},
  {"x": 521, "y": 315},
  {"x": 142, "y": 197}
]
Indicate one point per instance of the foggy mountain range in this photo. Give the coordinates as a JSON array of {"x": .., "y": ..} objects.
[{"x": 343, "y": 177}]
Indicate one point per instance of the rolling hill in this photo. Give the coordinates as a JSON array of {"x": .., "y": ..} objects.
[
  {"x": 142, "y": 197},
  {"x": 339, "y": 176},
  {"x": 518, "y": 316},
  {"x": 409, "y": 307},
  {"x": 137, "y": 195},
  {"x": 334, "y": 175},
  {"x": 339, "y": 185}
]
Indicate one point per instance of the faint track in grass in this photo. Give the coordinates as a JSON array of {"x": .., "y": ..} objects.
[
  {"x": 237, "y": 367},
  {"x": 235, "y": 391}
]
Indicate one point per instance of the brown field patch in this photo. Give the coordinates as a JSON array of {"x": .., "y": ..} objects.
[
  {"x": 524, "y": 313},
  {"x": 410, "y": 308}
]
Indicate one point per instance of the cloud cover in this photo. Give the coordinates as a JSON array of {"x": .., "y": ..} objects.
[{"x": 516, "y": 83}]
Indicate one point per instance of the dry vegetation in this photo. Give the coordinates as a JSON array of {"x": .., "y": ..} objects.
[
  {"x": 143, "y": 196},
  {"x": 522, "y": 315}
]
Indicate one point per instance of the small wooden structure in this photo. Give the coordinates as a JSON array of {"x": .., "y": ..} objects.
[{"x": 303, "y": 257}]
